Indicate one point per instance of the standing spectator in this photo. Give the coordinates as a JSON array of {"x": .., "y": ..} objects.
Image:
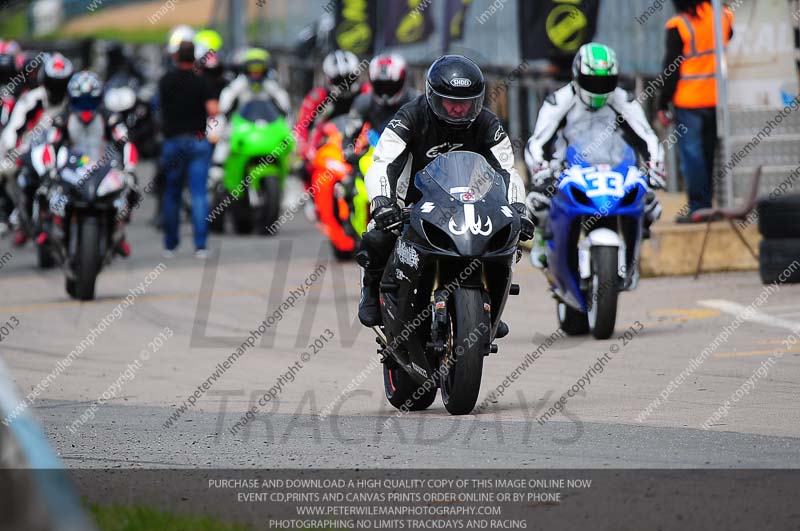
[
  {"x": 693, "y": 92},
  {"x": 186, "y": 105}
]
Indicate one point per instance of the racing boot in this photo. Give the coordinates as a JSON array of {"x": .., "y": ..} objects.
[
  {"x": 369, "y": 307},
  {"x": 123, "y": 248}
]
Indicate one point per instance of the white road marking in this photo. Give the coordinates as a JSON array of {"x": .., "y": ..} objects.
[{"x": 756, "y": 316}]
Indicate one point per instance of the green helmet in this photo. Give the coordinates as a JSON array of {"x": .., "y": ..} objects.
[
  {"x": 255, "y": 64},
  {"x": 595, "y": 73}
]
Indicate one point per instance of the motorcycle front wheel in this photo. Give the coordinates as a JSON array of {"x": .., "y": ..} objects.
[
  {"x": 462, "y": 365},
  {"x": 87, "y": 261},
  {"x": 270, "y": 208},
  {"x": 601, "y": 301}
]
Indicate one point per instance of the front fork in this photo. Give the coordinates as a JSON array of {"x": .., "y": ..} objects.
[{"x": 601, "y": 237}]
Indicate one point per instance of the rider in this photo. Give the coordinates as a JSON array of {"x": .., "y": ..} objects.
[
  {"x": 83, "y": 128},
  {"x": 449, "y": 116},
  {"x": 251, "y": 84},
  {"x": 10, "y": 86},
  {"x": 10, "y": 91},
  {"x": 592, "y": 101},
  {"x": 342, "y": 85},
  {"x": 49, "y": 98},
  {"x": 34, "y": 109},
  {"x": 387, "y": 76}
]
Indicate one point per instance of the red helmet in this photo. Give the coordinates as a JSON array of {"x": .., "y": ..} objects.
[{"x": 387, "y": 75}]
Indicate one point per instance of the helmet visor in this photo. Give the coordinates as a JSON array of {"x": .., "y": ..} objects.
[
  {"x": 84, "y": 102},
  {"x": 255, "y": 71},
  {"x": 386, "y": 90},
  {"x": 455, "y": 111},
  {"x": 598, "y": 84},
  {"x": 387, "y": 87}
]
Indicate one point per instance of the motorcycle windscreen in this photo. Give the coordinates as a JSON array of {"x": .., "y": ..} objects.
[
  {"x": 464, "y": 175},
  {"x": 260, "y": 110},
  {"x": 84, "y": 174},
  {"x": 587, "y": 150}
]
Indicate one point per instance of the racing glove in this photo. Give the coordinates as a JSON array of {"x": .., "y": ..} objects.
[
  {"x": 385, "y": 212},
  {"x": 526, "y": 225},
  {"x": 655, "y": 176}
]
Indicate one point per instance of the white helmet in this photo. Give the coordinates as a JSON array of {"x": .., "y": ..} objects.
[
  {"x": 177, "y": 35},
  {"x": 341, "y": 69}
]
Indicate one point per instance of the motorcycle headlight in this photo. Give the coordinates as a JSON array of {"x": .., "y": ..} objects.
[{"x": 114, "y": 181}]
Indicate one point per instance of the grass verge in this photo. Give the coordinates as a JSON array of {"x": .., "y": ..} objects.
[{"x": 120, "y": 518}]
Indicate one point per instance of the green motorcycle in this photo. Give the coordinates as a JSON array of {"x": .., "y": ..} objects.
[{"x": 254, "y": 173}]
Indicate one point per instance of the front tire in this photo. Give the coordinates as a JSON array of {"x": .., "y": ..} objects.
[
  {"x": 87, "y": 263},
  {"x": 602, "y": 298},
  {"x": 270, "y": 205},
  {"x": 403, "y": 392},
  {"x": 467, "y": 345}
]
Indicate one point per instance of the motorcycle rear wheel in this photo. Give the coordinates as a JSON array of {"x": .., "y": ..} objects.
[
  {"x": 573, "y": 322},
  {"x": 403, "y": 392},
  {"x": 44, "y": 257}
]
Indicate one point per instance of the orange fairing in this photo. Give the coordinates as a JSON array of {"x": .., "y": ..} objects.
[{"x": 329, "y": 168}]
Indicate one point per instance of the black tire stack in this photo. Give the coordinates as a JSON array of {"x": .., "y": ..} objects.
[{"x": 779, "y": 224}]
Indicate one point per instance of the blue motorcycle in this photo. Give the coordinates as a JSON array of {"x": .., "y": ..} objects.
[{"x": 596, "y": 221}]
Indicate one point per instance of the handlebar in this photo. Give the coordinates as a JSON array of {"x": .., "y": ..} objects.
[{"x": 405, "y": 217}]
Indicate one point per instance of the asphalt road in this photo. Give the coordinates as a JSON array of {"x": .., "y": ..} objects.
[{"x": 204, "y": 311}]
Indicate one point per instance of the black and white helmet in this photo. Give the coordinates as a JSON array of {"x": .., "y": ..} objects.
[{"x": 341, "y": 69}]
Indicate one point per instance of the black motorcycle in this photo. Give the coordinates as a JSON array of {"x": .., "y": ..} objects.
[
  {"x": 446, "y": 283},
  {"x": 83, "y": 210}
]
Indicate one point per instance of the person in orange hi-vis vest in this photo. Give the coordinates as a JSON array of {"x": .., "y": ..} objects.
[{"x": 690, "y": 85}]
